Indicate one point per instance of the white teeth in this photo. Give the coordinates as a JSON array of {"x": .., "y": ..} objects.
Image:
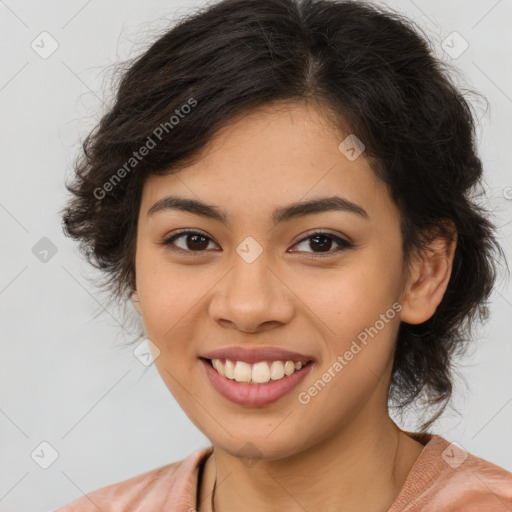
[
  {"x": 289, "y": 367},
  {"x": 229, "y": 368},
  {"x": 277, "y": 370},
  {"x": 219, "y": 367},
  {"x": 258, "y": 373},
  {"x": 242, "y": 372}
]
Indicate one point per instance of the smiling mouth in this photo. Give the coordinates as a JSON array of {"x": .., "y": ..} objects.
[{"x": 258, "y": 373}]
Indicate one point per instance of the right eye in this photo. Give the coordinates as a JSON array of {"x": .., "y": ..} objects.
[{"x": 190, "y": 241}]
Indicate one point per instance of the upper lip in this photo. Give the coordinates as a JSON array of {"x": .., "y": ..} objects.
[{"x": 256, "y": 354}]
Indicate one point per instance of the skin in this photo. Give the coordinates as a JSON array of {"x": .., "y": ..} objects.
[{"x": 341, "y": 447}]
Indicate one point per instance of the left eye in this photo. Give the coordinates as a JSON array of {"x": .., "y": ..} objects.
[
  {"x": 324, "y": 242},
  {"x": 194, "y": 241}
]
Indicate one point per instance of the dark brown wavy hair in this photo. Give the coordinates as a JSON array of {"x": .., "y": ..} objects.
[{"x": 374, "y": 73}]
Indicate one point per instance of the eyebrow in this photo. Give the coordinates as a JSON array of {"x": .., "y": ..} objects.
[{"x": 285, "y": 213}]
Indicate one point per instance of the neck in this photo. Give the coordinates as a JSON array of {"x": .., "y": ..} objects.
[{"x": 363, "y": 467}]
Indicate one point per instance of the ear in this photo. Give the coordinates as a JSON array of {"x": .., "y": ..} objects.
[
  {"x": 136, "y": 303},
  {"x": 430, "y": 272}
]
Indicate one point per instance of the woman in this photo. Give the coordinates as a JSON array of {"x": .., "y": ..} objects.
[{"x": 283, "y": 190}]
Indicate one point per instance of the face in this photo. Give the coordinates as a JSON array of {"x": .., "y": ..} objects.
[{"x": 322, "y": 282}]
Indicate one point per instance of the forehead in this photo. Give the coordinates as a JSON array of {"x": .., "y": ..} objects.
[{"x": 268, "y": 157}]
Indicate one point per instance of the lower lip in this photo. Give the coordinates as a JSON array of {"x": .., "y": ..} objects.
[{"x": 254, "y": 395}]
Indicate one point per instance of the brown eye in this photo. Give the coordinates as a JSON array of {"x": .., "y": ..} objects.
[
  {"x": 320, "y": 242},
  {"x": 190, "y": 241}
]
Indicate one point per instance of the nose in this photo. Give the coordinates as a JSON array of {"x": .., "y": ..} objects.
[{"x": 252, "y": 297}]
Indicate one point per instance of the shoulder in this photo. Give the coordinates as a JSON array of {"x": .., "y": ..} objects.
[
  {"x": 168, "y": 488},
  {"x": 478, "y": 483},
  {"x": 448, "y": 478}
]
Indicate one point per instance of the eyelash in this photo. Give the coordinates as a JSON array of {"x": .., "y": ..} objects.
[{"x": 343, "y": 244}]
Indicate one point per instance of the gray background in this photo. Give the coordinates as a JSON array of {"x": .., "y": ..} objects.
[{"x": 65, "y": 379}]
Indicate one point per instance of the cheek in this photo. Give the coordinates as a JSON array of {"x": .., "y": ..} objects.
[
  {"x": 167, "y": 292},
  {"x": 354, "y": 307},
  {"x": 353, "y": 294}
]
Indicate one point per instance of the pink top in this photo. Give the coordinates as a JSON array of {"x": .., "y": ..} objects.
[{"x": 444, "y": 478}]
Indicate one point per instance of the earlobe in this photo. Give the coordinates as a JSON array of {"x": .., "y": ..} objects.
[{"x": 430, "y": 274}]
